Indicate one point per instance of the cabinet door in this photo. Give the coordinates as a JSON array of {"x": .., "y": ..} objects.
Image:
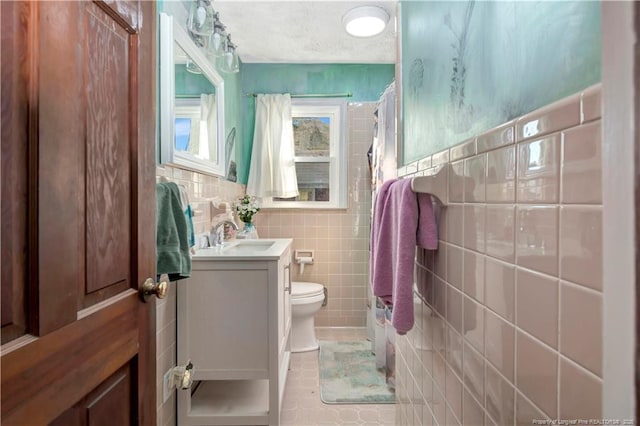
[{"x": 223, "y": 326}]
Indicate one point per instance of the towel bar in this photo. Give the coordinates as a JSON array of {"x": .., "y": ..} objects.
[{"x": 434, "y": 181}]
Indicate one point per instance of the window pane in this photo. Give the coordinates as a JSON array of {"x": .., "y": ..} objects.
[
  {"x": 183, "y": 131},
  {"x": 313, "y": 182},
  {"x": 312, "y": 136}
]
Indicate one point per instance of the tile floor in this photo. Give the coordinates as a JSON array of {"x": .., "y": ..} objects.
[{"x": 302, "y": 405}]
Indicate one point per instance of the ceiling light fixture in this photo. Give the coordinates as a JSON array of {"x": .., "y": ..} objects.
[{"x": 365, "y": 21}]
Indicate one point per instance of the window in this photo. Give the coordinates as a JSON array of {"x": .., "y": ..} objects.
[
  {"x": 320, "y": 147},
  {"x": 187, "y": 125}
]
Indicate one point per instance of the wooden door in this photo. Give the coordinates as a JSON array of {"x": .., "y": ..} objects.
[{"x": 78, "y": 209}]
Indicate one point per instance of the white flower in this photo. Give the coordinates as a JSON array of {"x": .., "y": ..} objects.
[{"x": 246, "y": 207}]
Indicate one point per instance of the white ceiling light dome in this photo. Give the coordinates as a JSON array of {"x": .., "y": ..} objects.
[{"x": 365, "y": 21}]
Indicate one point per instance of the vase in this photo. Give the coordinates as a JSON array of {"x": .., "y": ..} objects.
[{"x": 249, "y": 232}]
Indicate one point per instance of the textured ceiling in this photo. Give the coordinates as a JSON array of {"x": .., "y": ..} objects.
[{"x": 306, "y": 31}]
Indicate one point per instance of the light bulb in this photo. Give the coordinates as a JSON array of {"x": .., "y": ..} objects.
[{"x": 201, "y": 18}]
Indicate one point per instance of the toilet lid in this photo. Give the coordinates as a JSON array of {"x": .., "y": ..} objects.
[{"x": 302, "y": 289}]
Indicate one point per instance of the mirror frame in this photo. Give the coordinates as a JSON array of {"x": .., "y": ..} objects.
[{"x": 170, "y": 32}]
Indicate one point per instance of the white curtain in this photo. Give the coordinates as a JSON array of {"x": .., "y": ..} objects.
[
  {"x": 272, "y": 172},
  {"x": 208, "y": 128}
]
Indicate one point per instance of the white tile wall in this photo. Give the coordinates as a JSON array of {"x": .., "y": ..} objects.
[
  {"x": 510, "y": 311},
  {"x": 340, "y": 238}
]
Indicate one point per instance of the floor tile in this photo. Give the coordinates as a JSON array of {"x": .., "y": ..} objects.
[{"x": 302, "y": 405}]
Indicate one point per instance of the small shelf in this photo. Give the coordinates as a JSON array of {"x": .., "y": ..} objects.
[{"x": 245, "y": 399}]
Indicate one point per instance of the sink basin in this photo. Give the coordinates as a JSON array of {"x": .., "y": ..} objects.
[
  {"x": 244, "y": 249},
  {"x": 248, "y": 246}
]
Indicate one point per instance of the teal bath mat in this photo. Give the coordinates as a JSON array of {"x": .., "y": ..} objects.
[{"x": 348, "y": 375}]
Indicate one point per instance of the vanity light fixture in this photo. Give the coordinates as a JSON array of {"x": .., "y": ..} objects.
[
  {"x": 365, "y": 21},
  {"x": 218, "y": 38},
  {"x": 228, "y": 62},
  {"x": 192, "y": 67},
  {"x": 201, "y": 18},
  {"x": 231, "y": 58},
  {"x": 207, "y": 31}
]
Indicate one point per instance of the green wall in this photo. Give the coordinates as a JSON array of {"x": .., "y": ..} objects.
[
  {"x": 468, "y": 66},
  {"x": 366, "y": 82},
  {"x": 189, "y": 84},
  {"x": 233, "y": 113}
]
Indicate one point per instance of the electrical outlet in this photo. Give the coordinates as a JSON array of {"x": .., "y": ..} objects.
[{"x": 167, "y": 385}]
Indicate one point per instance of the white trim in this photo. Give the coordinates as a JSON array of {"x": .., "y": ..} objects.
[
  {"x": 336, "y": 109},
  {"x": 619, "y": 245}
]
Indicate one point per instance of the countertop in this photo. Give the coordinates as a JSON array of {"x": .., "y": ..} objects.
[{"x": 259, "y": 249}]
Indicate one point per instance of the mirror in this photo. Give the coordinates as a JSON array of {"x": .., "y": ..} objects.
[{"x": 192, "y": 133}]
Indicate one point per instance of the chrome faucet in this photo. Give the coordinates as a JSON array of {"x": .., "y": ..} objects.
[{"x": 217, "y": 232}]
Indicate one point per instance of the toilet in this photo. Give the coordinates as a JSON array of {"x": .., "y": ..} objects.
[{"x": 306, "y": 300}]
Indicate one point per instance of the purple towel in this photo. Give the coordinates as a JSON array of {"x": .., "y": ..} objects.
[
  {"x": 402, "y": 219},
  {"x": 380, "y": 266},
  {"x": 427, "y": 232}
]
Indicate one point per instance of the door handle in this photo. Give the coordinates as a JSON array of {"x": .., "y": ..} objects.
[{"x": 152, "y": 288}]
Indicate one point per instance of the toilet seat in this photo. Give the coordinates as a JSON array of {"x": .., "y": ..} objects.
[{"x": 301, "y": 289}]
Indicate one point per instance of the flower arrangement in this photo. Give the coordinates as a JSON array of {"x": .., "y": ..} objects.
[{"x": 246, "y": 207}]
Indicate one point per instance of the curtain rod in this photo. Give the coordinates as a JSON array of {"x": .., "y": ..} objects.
[{"x": 325, "y": 95}]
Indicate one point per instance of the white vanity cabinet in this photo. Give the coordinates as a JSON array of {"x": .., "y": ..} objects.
[{"x": 234, "y": 326}]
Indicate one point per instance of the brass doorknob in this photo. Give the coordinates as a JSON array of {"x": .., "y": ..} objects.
[{"x": 151, "y": 288}]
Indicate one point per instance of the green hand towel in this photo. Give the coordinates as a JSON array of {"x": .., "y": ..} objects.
[{"x": 172, "y": 241}]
